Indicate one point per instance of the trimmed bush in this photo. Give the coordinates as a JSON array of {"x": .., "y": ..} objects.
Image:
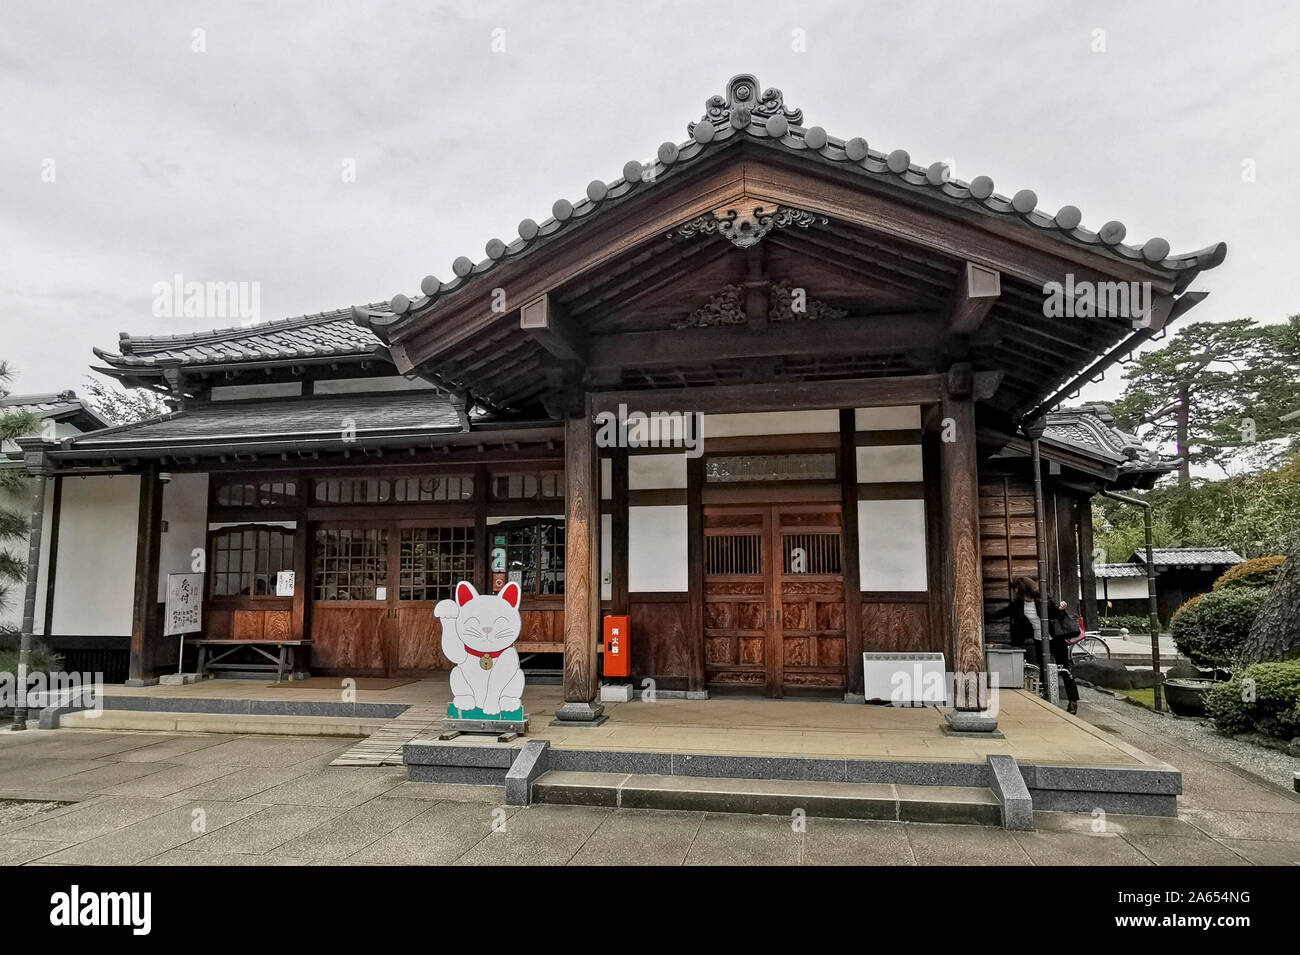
[
  {"x": 1131, "y": 622},
  {"x": 1211, "y": 632},
  {"x": 1187, "y": 604},
  {"x": 1264, "y": 697},
  {"x": 1256, "y": 572}
]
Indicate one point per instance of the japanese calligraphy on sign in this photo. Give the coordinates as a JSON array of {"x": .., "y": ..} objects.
[{"x": 184, "y": 609}]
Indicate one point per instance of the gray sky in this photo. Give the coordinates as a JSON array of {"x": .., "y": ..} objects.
[{"x": 226, "y": 165}]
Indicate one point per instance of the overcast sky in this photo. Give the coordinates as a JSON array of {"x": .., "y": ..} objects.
[{"x": 227, "y": 164}]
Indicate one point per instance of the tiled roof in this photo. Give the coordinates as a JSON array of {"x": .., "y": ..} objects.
[
  {"x": 1188, "y": 556},
  {"x": 1112, "y": 571},
  {"x": 322, "y": 335},
  {"x": 60, "y": 405},
  {"x": 1091, "y": 429},
  {"x": 290, "y": 422},
  {"x": 763, "y": 116}
]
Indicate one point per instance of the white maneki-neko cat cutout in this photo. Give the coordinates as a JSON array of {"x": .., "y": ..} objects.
[{"x": 478, "y": 636}]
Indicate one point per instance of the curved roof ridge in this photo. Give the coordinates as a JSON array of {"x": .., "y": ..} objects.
[
  {"x": 135, "y": 344},
  {"x": 743, "y": 111}
]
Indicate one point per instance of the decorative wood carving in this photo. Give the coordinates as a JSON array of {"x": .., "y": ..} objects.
[
  {"x": 744, "y": 229},
  {"x": 785, "y": 304}
]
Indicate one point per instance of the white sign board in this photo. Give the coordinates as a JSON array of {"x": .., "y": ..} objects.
[
  {"x": 184, "y": 613},
  {"x": 284, "y": 583}
]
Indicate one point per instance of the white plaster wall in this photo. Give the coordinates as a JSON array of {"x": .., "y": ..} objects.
[
  {"x": 656, "y": 544},
  {"x": 1123, "y": 588},
  {"x": 606, "y": 557},
  {"x": 606, "y": 479},
  {"x": 95, "y": 579},
  {"x": 889, "y": 463},
  {"x": 770, "y": 422},
  {"x": 272, "y": 389},
  {"x": 891, "y": 545},
  {"x": 895, "y": 418},
  {"x": 352, "y": 386},
  {"x": 651, "y": 472},
  {"x": 185, "y": 509}
]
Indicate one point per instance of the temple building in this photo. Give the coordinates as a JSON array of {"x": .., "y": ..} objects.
[{"x": 781, "y": 398}]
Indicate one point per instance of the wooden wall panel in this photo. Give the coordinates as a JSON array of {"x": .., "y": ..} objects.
[
  {"x": 898, "y": 627},
  {"x": 419, "y": 642},
  {"x": 660, "y": 646},
  {"x": 346, "y": 637}
]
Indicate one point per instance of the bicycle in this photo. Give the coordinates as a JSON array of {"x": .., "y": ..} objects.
[{"x": 1087, "y": 646}]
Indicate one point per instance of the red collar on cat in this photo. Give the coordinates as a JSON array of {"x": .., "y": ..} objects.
[{"x": 484, "y": 653}]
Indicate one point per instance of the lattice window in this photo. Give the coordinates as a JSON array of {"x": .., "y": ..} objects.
[
  {"x": 528, "y": 486},
  {"x": 448, "y": 487},
  {"x": 733, "y": 555},
  {"x": 811, "y": 553},
  {"x": 255, "y": 493},
  {"x": 744, "y": 468},
  {"x": 245, "y": 560},
  {"x": 353, "y": 491},
  {"x": 534, "y": 553},
  {"x": 350, "y": 563},
  {"x": 432, "y": 560}
]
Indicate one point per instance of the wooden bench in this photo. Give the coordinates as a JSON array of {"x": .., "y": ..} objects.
[{"x": 284, "y": 654}]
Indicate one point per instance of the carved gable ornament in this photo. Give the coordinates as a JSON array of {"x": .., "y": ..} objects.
[
  {"x": 745, "y": 229},
  {"x": 786, "y": 303}
]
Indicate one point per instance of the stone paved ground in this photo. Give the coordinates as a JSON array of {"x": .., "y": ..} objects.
[{"x": 160, "y": 799}]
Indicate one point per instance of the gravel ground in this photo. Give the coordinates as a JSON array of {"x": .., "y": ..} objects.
[
  {"x": 17, "y": 810},
  {"x": 1270, "y": 764}
]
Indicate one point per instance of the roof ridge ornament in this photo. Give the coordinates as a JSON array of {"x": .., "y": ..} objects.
[{"x": 742, "y": 102}]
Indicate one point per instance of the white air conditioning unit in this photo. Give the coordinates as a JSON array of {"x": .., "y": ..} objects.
[{"x": 905, "y": 679}]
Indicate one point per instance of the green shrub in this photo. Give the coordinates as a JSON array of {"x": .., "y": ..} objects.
[
  {"x": 43, "y": 659},
  {"x": 1186, "y": 605},
  {"x": 1256, "y": 572},
  {"x": 1132, "y": 622},
  {"x": 1210, "y": 632},
  {"x": 1264, "y": 697}
]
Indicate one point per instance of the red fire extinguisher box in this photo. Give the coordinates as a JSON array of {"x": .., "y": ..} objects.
[{"x": 618, "y": 649}]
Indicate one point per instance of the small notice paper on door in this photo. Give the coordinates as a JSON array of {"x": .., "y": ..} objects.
[{"x": 284, "y": 583}]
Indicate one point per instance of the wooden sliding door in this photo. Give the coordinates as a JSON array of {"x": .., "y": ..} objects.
[{"x": 374, "y": 590}]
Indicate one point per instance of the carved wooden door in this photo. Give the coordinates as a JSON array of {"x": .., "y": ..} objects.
[
  {"x": 808, "y": 594},
  {"x": 738, "y": 615},
  {"x": 774, "y": 600}
]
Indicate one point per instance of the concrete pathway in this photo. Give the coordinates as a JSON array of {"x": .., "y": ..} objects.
[{"x": 166, "y": 799}]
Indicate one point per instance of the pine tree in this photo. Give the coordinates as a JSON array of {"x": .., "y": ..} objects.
[
  {"x": 14, "y": 520},
  {"x": 1275, "y": 634}
]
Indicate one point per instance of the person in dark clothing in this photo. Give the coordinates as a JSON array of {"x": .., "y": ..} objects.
[{"x": 1025, "y": 623}]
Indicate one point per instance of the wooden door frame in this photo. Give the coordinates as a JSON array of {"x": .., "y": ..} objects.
[{"x": 779, "y": 578}]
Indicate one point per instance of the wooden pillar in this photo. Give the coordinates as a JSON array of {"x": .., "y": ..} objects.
[
  {"x": 695, "y": 572},
  {"x": 960, "y": 489},
  {"x": 618, "y": 529},
  {"x": 1087, "y": 573},
  {"x": 482, "y": 492},
  {"x": 52, "y": 561},
  {"x": 581, "y": 570},
  {"x": 147, "y": 556},
  {"x": 37, "y": 465},
  {"x": 852, "y": 573}
]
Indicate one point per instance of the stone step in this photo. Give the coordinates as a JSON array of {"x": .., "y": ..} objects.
[
  {"x": 893, "y": 801},
  {"x": 162, "y": 721}
]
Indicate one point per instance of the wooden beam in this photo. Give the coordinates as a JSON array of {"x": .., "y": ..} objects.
[
  {"x": 867, "y": 335},
  {"x": 544, "y": 320},
  {"x": 581, "y": 570},
  {"x": 780, "y": 396},
  {"x": 977, "y": 291}
]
